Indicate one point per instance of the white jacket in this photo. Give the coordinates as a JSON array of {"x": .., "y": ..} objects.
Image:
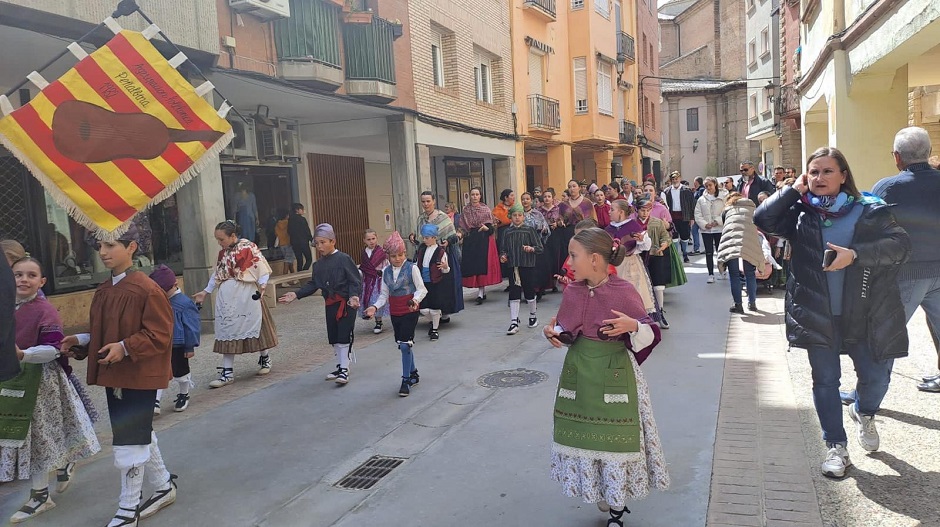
[{"x": 708, "y": 209}]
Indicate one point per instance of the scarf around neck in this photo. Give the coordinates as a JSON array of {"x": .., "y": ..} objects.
[{"x": 829, "y": 207}]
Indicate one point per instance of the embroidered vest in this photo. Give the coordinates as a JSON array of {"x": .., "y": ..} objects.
[
  {"x": 431, "y": 273},
  {"x": 400, "y": 291}
]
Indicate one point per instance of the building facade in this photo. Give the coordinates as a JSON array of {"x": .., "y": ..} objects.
[
  {"x": 762, "y": 52},
  {"x": 652, "y": 114},
  {"x": 787, "y": 100},
  {"x": 868, "y": 69}
]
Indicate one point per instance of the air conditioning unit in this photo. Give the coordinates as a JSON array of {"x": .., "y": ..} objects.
[
  {"x": 243, "y": 144},
  {"x": 290, "y": 140},
  {"x": 263, "y": 9},
  {"x": 269, "y": 143}
]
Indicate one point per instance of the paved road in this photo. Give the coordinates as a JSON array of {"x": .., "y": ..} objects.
[{"x": 268, "y": 451}]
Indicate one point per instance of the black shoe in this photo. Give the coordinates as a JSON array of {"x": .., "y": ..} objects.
[
  {"x": 405, "y": 389},
  {"x": 616, "y": 517},
  {"x": 342, "y": 377},
  {"x": 434, "y": 335},
  {"x": 508, "y": 287},
  {"x": 445, "y": 320},
  {"x": 378, "y": 327},
  {"x": 752, "y": 306},
  {"x": 533, "y": 321},
  {"x": 480, "y": 299},
  {"x": 414, "y": 378},
  {"x": 737, "y": 308},
  {"x": 663, "y": 323},
  {"x": 333, "y": 374},
  {"x": 182, "y": 402},
  {"x": 685, "y": 259}
]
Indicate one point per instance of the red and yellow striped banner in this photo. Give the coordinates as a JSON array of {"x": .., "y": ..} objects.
[{"x": 118, "y": 132}]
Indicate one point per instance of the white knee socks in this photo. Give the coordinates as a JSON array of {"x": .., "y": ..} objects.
[
  {"x": 481, "y": 292},
  {"x": 434, "y": 315},
  {"x": 228, "y": 360},
  {"x": 185, "y": 383},
  {"x": 156, "y": 471},
  {"x": 513, "y": 310},
  {"x": 658, "y": 291},
  {"x": 40, "y": 481},
  {"x": 532, "y": 306},
  {"x": 342, "y": 355}
]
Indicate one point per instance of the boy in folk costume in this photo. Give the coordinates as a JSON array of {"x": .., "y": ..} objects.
[
  {"x": 519, "y": 244},
  {"x": 130, "y": 343},
  {"x": 374, "y": 259},
  {"x": 336, "y": 277},
  {"x": 432, "y": 260},
  {"x": 402, "y": 289},
  {"x": 186, "y": 333}
]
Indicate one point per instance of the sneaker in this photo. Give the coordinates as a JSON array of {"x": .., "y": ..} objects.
[
  {"x": 182, "y": 402},
  {"x": 434, "y": 335},
  {"x": 414, "y": 378},
  {"x": 378, "y": 327},
  {"x": 752, "y": 306},
  {"x": 226, "y": 377},
  {"x": 711, "y": 279},
  {"x": 63, "y": 477},
  {"x": 39, "y": 502},
  {"x": 160, "y": 499},
  {"x": 837, "y": 460},
  {"x": 342, "y": 376},
  {"x": 513, "y": 327},
  {"x": 737, "y": 308},
  {"x": 405, "y": 389},
  {"x": 723, "y": 276},
  {"x": 264, "y": 365},
  {"x": 867, "y": 431},
  {"x": 663, "y": 324},
  {"x": 333, "y": 374},
  {"x": 533, "y": 321},
  {"x": 156, "y": 408}
]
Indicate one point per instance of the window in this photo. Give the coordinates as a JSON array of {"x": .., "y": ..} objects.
[
  {"x": 646, "y": 58},
  {"x": 752, "y": 106},
  {"x": 765, "y": 42},
  {"x": 577, "y": 4},
  {"x": 605, "y": 104},
  {"x": 437, "y": 57},
  {"x": 751, "y": 4},
  {"x": 602, "y": 7},
  {"x": 536, "y": 75},
  {"x": 751, "y": 52},
  {"x": 580, "y": 85},
  {"x": 765, "y": 104},
  {"x": 652, "y": 115},
  {"x": 691, "y": 120},
  {"x": 483, "y": 76},
  {"x": 645, "y": 110}
]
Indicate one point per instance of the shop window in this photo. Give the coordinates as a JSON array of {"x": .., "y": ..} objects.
[{"x": 461, "y": 176}]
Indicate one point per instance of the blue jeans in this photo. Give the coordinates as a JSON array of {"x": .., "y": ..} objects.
[
  {"x": 750, "y": 277},
  {"x": 696, "y": 239},
  {"x": 924, "y": 293},
  {"x": 873, "y": 379}
]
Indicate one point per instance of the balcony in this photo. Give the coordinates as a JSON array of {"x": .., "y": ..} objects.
[
  {"x": 308, "y": 45},
  {"x": 627, "y": 132},
  {"x": 626, "y": 47},
  {"x": 543, "y": 8},
  {"x": 370, "y": 60},
  {"x": 544, "y": 114},
  {"x": 788, "y": 101}
]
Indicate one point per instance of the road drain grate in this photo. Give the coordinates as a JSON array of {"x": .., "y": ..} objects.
[{"x": 366, "y": 475}]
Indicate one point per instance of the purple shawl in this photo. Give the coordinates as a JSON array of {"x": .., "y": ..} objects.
[
  {"x": 371, "y": 272},
  {"x": 625, "y": 233},
  {"x": 38, "y": 324}
]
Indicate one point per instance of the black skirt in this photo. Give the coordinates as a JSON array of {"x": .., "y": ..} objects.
[
  {"x": 659, "y": 268},
  {"x": 476, "y": 249},
  {"x": 440, "y": 295}
]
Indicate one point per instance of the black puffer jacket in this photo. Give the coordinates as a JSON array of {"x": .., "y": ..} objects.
[{"x": 872, "y": 308}]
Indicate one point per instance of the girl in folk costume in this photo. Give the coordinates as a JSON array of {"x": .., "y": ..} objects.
[
  {"x": 657, "y": 257},
  {"x": 402, "y": 289},
  {"x": 480, "y": 264},
  {"x": 567, "y": 271},
  {"x": 186, "y": 334},
  {"x": 131, "y": 324},
  {"x": 519, "y": 247},
  {"x": 335, "y": 275},
  {"x": 571, "y": 210},
  {"x": 635, "y": 240},
  {"x": 601, "y": 208},
  {"x": 243, "y": 322},
  {"x": 48, "y": 427},
  {"x": 555, "y": 254},
  {"x": 432, "y": 260},
  {"x": 606, "y": 447},
  {"x": 374, "y": 259}
]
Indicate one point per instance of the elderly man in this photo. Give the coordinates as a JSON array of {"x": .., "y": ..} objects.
[
  {"x": 751, "y": 184},
  {"x": 914, "y": 192},
  {"x": 681, "y": 202}
]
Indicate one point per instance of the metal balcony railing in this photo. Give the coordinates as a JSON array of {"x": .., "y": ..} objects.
[
  {"x": 544, "y": 113},
  {"x": 309, "y": 34},
  {"x": 788, "y": 101},
  {"x": 626, "y": 46},
  {"x": 627, "y": 132},
  {"x": 369, "y": 50},
  {"x": 547, "y": 6}
]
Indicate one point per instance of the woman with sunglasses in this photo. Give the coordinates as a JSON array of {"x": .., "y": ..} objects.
[{"x": 606, "y": 449}]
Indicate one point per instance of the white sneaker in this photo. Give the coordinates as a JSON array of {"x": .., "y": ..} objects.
[
  {"x": 867, "y": 431},
  {"x": 837, "y": 460},
  {"x": 333, "y": 374},
  {"x": 513, "y": 327},
  {"x": 711, "y": 279},
  {"x": 722, "y": 276}
]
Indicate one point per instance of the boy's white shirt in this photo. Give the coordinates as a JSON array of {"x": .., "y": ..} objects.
[{"x": 420, "y": 290}]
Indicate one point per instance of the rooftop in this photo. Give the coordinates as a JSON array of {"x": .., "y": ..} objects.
[{"x": 699, "y": 85}]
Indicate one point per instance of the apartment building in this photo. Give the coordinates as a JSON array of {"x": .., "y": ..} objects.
[
  {"x": 762, "y": 52},
  {"x": 651, "y": 113}
]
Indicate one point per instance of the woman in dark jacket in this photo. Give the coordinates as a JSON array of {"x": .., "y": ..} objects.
[{"x": 852, "y": 305}]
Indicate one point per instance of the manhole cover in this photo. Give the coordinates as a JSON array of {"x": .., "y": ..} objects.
[
  {"x": 366, "y": 475},
  {"x": 512, "y": 378}
]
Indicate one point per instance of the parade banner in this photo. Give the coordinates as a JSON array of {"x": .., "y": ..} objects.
[{"x": 118, "y": 132}]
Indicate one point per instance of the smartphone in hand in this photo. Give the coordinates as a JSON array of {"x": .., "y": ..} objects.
[{"x": 829, "y": 256}]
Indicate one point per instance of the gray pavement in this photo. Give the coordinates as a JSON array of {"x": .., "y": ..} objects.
[{"x": 268, "y": 450}]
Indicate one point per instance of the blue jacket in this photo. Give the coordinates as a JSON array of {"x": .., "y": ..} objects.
[
  {"x": 186, "y": 322},
  {"x": 915, "y": 194}
]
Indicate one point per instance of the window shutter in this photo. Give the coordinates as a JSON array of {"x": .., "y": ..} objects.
[
  {"x": 604, "y": 96},
  {"x": 536, "y": 77},
  {"x": 580, "y": 85}
]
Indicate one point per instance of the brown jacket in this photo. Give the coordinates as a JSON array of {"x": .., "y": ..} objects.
[{"x": 137, "y": 312}]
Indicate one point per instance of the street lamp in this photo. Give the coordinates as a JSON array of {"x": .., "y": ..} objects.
[
  {"x": 695, "y": 144},
  {"x": 621, "y": 62},
  {"x": 769, "y": 91}
]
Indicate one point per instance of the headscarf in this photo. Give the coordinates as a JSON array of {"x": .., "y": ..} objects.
[
  {"x": 164, "y": 277},
  {"x": 324, "y": 230},
  {"x": 592, "y": 189},
  {"x": 429, "y": 229},
  {"x": 516, "y": 207},
  {"x": 394, "y": 244}
]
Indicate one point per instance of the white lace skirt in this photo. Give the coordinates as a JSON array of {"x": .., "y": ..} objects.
[
  {"x": 61, "y": 431},
  {"x": 633, "y": 270},
  {"x": 237, "y": 315},
  {"x": 614, "y": 477}
]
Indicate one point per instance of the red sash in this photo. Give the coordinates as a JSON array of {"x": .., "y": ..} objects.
[
  {"x": 333, "y": 299},
  {"x": 399, "y": 305}
]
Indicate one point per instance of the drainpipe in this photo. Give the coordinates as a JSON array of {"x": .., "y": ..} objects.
[{"x": 838, "y": 17}]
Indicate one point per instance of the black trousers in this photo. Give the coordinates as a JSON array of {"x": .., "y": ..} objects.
[
  {"x": 404, "y": 326},
  {"x": 684, "y": 229},
  {"x": 179, "y": 362},
  {"x": 711, "y": 247},
  {"x": 527, "y": 286},
  {"x": 131, "y": 416},
  {"x": 303, "y": 255},
  {"x": 340, "y": 331}
]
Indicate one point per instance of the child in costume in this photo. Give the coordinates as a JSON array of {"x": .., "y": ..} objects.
[
  {"x": 606, "y": 448},
  {"x": 335, "y": 275},
  {"x": 567, "y": 275},
  {"x": 44, "y": 422},
  {"x": 186, "y": 333},
  {"x": 402, "y": 290},
  {"x": 374, "y": 259},
  {"x": 130, "y": 344},
  {"x": 624, "y": 228},
  {"x": 432, "y": 260},
  {"x": 519, "y": 245}
]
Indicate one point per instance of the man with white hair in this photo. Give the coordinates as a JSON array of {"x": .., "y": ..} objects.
[{"x": 915, "y": 194}]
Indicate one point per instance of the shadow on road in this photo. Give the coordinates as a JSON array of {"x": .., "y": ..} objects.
[
  {"x": 912, "y": 493},
  {"x": 916, "y": 420}
]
